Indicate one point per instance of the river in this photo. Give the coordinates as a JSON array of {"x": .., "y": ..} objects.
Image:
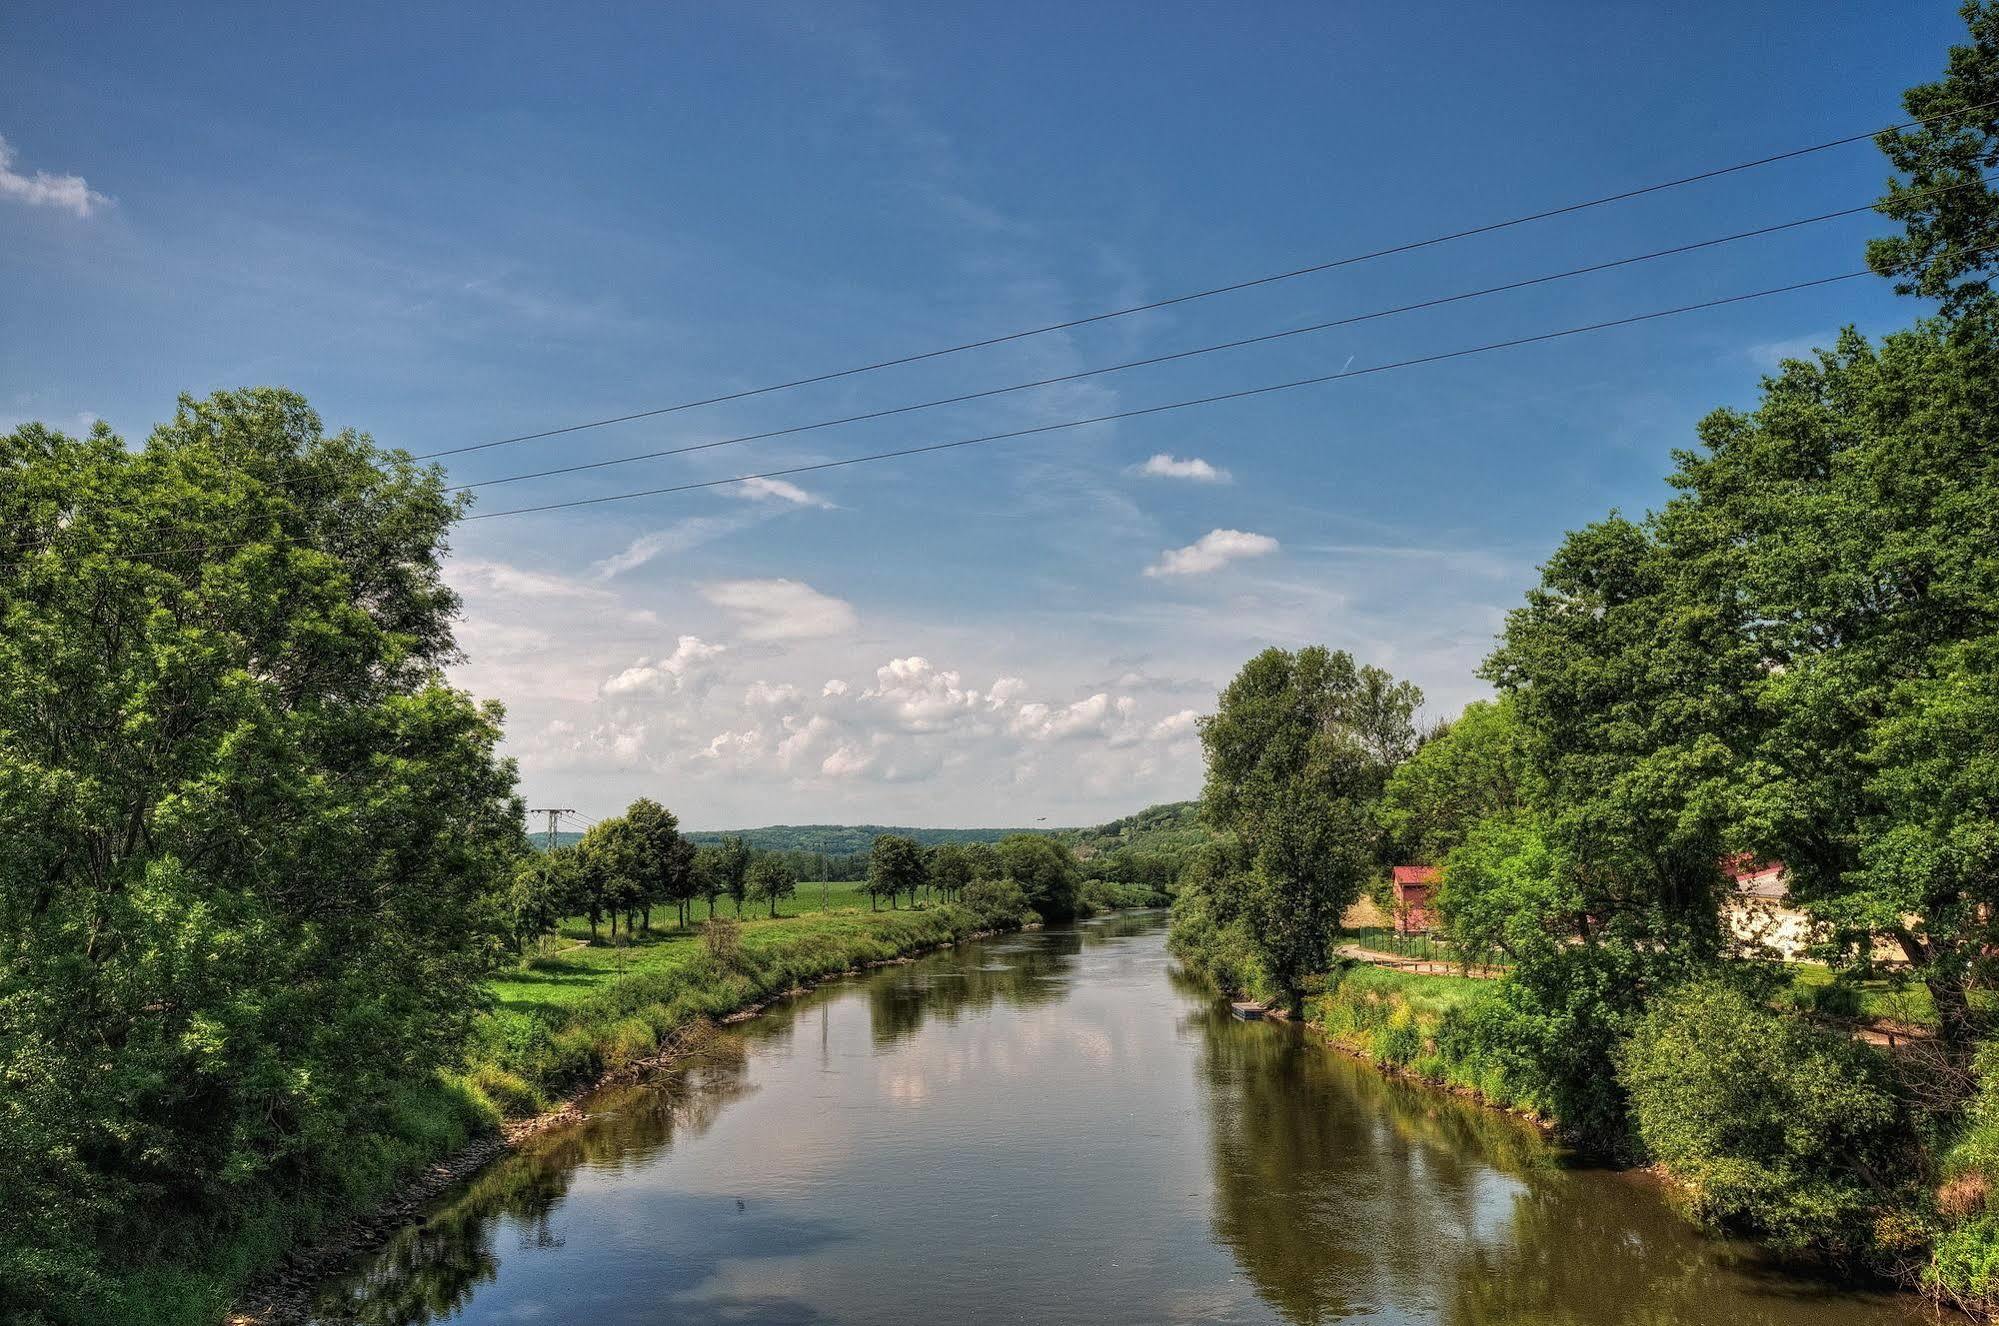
[{"x": 1055, "y": 1127}]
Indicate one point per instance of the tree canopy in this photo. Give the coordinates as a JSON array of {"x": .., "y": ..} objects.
[{"x": 252, "y": 845}]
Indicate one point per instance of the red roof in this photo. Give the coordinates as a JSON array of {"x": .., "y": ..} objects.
[{"x": 1417, "y": 874}]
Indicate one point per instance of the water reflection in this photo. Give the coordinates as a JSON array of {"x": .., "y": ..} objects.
[
  {"x": 1341, "y": 1191},
  {"x": 1050, "y": 1128}
]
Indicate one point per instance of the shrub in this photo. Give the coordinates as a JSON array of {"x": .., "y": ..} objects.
[
  {"x": 997, "y": 903},
  {"x": 1774, "y": 1127},
  {"x": 722, "y": 941}
]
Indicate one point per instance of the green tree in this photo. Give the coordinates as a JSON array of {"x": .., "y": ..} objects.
[
  {"x": 252, "y": 845},
  {"x": 1948, "y": 208},
  {"x": 1298, "y": 753},
  {"x": 613, "y": 869},
  {"x": 1046, "y": 872},
  {"x": 1475, "y": 768},
  {"x": 665, "y": 859},
  {"x": 771, "y": 880},
  {"x": 950, "y": 869},
  {"x": 1845, "y": 528},
  {"x": 545, "y": 887},
  {"x": 895, "y": 867},
  {"x": 1773, "y": 1127},
  {"x": 732, "y": 866}
]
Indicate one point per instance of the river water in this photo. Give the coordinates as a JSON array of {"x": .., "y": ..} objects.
[{"x": 1055, "y": 1127}]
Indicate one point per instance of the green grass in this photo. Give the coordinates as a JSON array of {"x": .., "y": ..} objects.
[
  {"x": 1814, "y": 988},
  {"x": 1405, "y": 1020}
]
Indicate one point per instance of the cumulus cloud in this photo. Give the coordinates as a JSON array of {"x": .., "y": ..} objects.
[
  {"x": 781, "y": 609},
  {"x": 65, "y": 192},
  {"x": 763, "y": 695},
  {"x": 666, "y": 675},
  {"x": 1211, "y": 552},
  {"x": 1163, "y": 466},
  {"x": 777, "y": 490},
  {"x": 834, "y": 687},
  {"x": 1175, "y": 726},
  {"x": 1097, "y": 716}
]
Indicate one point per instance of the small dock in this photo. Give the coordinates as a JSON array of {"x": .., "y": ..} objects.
[{"x": 1248, "y": 1009}]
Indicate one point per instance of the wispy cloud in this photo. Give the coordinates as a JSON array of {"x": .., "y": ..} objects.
[
  {"x": 1212, "y": 551},
  {"x": 781, "y": 609},
  {"x": 68, "y": 193},
  {"x": 777, "y": 490},
  {"x": 1163, "y": 466}
]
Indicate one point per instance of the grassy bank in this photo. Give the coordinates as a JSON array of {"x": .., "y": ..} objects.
[
  {"x": 556, "y": 1025},
  {"x": 1416, "y": 1024}
]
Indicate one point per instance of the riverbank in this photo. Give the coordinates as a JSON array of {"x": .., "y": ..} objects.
[{"x": 559, "y": 1027}]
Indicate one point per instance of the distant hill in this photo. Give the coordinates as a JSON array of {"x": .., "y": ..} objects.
[
  {"x": 1171, "y": 828},
  {"x": 842, "y": 839}
]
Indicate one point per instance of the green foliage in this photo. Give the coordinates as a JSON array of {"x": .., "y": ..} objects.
[
  {"x": 1770, "y": 1126},
  {"x": 1845, "y": 527},
  {"x": 770, "y": 881},
  {"x": 896, "y": 867},
  {"x": 1103, "y": 895},
  {"x": 950, "y": 867},
  {"x": 1418, "y": 1023},
  {"x": 546, "y": 887},
  {"x": 997, "y": 903},
  {"x": 1297, "y": 756},
  {"x": 253, "y": 849},
  {"x": 1476, "y": 768},
  {"x": 1948, "y": 209},
  {"x": 1045, "y": 872}
]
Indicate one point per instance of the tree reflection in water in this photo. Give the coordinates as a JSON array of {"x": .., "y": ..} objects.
[
  {"x": 429, "y": 1271},
  {"x": 1341, "y": 1191}
]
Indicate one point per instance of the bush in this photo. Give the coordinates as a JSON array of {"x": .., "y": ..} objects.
[
  {"x": 997, "y": 903},
  {"x": 1773, "y": 1127}
]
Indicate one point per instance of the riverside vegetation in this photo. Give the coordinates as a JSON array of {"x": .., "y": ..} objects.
[
  {"x": 1795, "y": 659},
  {"x": 272, "y": 938}
]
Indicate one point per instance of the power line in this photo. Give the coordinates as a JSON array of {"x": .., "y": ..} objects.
[
  {"x": 1189, "y": 297},
  {"x": 1179, "y": 405},
  {"x": 1153, "y": 360},
  {"x": 1094, "y": 419}
]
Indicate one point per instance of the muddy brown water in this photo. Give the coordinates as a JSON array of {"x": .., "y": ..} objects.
[{"x": 1056, "y": 1127}]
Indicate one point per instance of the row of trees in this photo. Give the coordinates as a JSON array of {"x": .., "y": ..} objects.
[
  {"x": 1044, "y": 870},
  {"x": 629, "y": 864},
  {"x": 1795, "y": 660}
]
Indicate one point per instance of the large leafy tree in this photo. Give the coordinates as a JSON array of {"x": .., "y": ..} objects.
[
  {"x": 664, "y": 860},
  {"x": 1297, "y": 754},
  {"x": 251, "y": 844},
  {"x": 895, "y": 867},
  {"x": 1046, "y": 872},
  {"x": 1948, "y": 209},
  {"x": 1852, "y": 521},
  {"x": 1474, "y": 769}
]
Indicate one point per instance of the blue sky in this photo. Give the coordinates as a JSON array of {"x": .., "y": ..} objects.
[{"x": 450, "y": 226}]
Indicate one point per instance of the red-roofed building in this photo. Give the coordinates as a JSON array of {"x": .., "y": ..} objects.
[{"x": 1414, "y": 886}]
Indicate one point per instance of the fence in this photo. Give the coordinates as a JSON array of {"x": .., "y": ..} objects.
[{"x": 1423, "y": 947}]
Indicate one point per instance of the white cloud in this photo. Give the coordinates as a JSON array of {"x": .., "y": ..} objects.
[
  {"x": 1211, "y": 552},
  {"x": 1163, "y": 466},
  {"x": 67, "y": 192},
  {"x": 763, "y": 695},
  {"x": 499, "y": 579},
  {"x": 1097, "y": 716},
  {"x": 833, "y": 687},
  {"x": 781, "y": 609},
  {"x": 763, "y": 490},
  {"x": 1174, "y": 726},
  {"x": 664, "y": 676},
  {"x": 847, "y": 762},
  {"x": 677, "y": 537}
]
